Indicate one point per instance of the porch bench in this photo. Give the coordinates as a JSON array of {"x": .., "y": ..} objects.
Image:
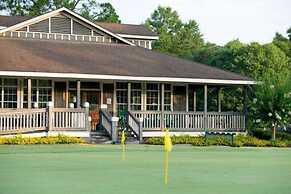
[{"x": 220, "y": 133}]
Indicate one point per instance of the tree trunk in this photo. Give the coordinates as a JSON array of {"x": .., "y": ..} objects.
[{"x": 274, "y": 133}]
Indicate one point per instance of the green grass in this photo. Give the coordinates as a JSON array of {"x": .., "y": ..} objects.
[{"x": 82, "y": 169}]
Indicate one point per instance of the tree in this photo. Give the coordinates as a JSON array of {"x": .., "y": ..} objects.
[
  {"x": 272, "y": 103},
  {"x": 175, "y": 37},
  {"x": 89, "y": 9},
  {"x": 35, "y": 7},
  {"x": 289, "y": 33},
  {"x": 107, "y": 13}
]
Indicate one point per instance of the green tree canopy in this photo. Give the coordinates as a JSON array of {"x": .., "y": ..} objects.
[
  {"x": 175, "y": 37},
  {"x": 89, "y": 9}
]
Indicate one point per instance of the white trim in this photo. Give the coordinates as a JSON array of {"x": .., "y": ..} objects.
[
  {"x": 56, "y": 12},
  {"x": 139, "y": 36},
  {"x": 124, "y": 78},
  {"x": 2, "y": 27}
]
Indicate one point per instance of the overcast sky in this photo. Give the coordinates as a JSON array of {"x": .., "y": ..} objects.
[{"x": 220, "y": 20}]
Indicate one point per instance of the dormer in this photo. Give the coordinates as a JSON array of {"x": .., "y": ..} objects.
[{"x": 137, "y": 34}]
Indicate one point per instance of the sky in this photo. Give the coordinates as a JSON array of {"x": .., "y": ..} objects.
[{"x": 220, "y": 21}]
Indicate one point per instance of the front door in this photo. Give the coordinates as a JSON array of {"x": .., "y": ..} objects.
[
  {"x": 108, "y": 93},
  {"x": 179, "y": 98},
  {"x": 60, "y": 94}
]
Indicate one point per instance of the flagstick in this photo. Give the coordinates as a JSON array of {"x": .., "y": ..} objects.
[
  {"x": 123, "y": 151},
  {"x": 166, "y": 166}
]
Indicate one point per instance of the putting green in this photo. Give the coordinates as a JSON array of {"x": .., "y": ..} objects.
[{"x": 82, "y": 169}]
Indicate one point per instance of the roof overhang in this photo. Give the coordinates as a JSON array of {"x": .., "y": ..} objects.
[
  {"x": 55, "y": 12},
  {"x": 138, "y": 37},
  {"x": 124, "y": 78}
]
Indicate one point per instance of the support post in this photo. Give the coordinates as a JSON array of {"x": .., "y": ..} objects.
[
  {"x": 29, "y": 93},
  {"x": 114, "y": 129},
  {"x": 219, "y": 99},
  {"x": 245, "y": 106},
  {"x": 140, "y": 130},
  {"x": 163, "y": 106},
  {"x": 205, "y": 107},
  {"x": 194, "y": 100},
  {"x": 128, "y": 96},
  {"x": 78, "y": 94},
  {"x": 87, "y": 117},
  {"x": 187, "y": 97},
  {"x": 50, "y": 116}
]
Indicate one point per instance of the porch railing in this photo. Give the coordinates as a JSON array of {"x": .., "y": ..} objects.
[
  {"x": 14, "y": 121},
  {"x": 191, "y": 121},
  {"x": 135, "y": 125},
  {"x": 105, "y": 121}
]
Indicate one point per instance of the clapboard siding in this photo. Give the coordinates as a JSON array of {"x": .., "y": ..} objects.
[
  {"x": 61, "y": 25},
  {"x": 42, "y": 26},
  {"x": 80, "y": 29}
]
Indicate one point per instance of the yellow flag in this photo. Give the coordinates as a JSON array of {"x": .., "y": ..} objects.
[
  {"x": 167, "y": 142},
  {"x": 123, "y": 137}
]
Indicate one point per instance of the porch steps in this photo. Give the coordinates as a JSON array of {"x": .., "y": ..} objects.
[
  {"x": 130, "y": 137},
  {"x": 99, "y": 138}
]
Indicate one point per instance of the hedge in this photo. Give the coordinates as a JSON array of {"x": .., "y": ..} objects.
[
  {"x": 60, "y": 139},
  {"x": 239, "y": 141}
]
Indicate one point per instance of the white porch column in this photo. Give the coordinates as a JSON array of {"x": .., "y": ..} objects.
[
  {"x": 128, "y": 96},
  {"x": 194, "y": 101},
  {"x": 205, "y": 107},
  {"x": 78, "y": 94},
  {"x": 114, "y": 100},
  {"x": 162, "y": 105},
  {"x": 101, "y": 95},
  {"x": 29, "y": 93},
  {"x": 19, "y": 93},
  {"x": 187, "y": 97},
  {"x": 219, "y": 99},
  {"x": 245, "y": 105}
]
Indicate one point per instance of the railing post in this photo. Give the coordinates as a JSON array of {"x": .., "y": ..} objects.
[
  {"x": 140, "y": 130},
  {"x": 162, "y": 107},
  {"x": 114, "y": 129},
  {"x": 87, "y": 119},
  {"x": 205, "y": 107},
  {"x": 50, "y": 116}
]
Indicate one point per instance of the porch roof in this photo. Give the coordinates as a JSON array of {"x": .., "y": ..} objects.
[{"x": 46, "y": 58}]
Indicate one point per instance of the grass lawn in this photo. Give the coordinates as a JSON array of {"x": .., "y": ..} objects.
[{"x": 82, "y": 169}]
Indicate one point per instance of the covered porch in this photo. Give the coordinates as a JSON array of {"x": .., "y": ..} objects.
[{"x": 181, "y": 107}]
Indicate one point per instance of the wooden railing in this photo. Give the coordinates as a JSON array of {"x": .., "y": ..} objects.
[
  {"x": 14, "y": 121},
  {"x": 135, "y": 125},
  {"x": 69, "y": 119},
  {"x": 191, "y": 121},
  {"x": 56, "y": 36},
  {"x": 105, "y": 121}
]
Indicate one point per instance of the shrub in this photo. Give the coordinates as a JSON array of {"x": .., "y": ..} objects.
[
  {"x": 239, "y": 141},
  {"x": 222, "y": 141},
  {"x": 267, "y": 134},
  {"x": 61, "y": 139}
]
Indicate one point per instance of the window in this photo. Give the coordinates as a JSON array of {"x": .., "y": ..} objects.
[
  {"x": 152, "y": 97},
  {"x": 135, "y": 96},
  {"x": 41, "y": 92},
  {"x": 167, "y": 97},
  {"x": 9, "y": 93},
  {"x": 121, "y": 95}
]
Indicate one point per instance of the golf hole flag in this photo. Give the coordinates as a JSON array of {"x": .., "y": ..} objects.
[
  {"x": 167, "y": 149},
  {"x": 123, "y": 139}
]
